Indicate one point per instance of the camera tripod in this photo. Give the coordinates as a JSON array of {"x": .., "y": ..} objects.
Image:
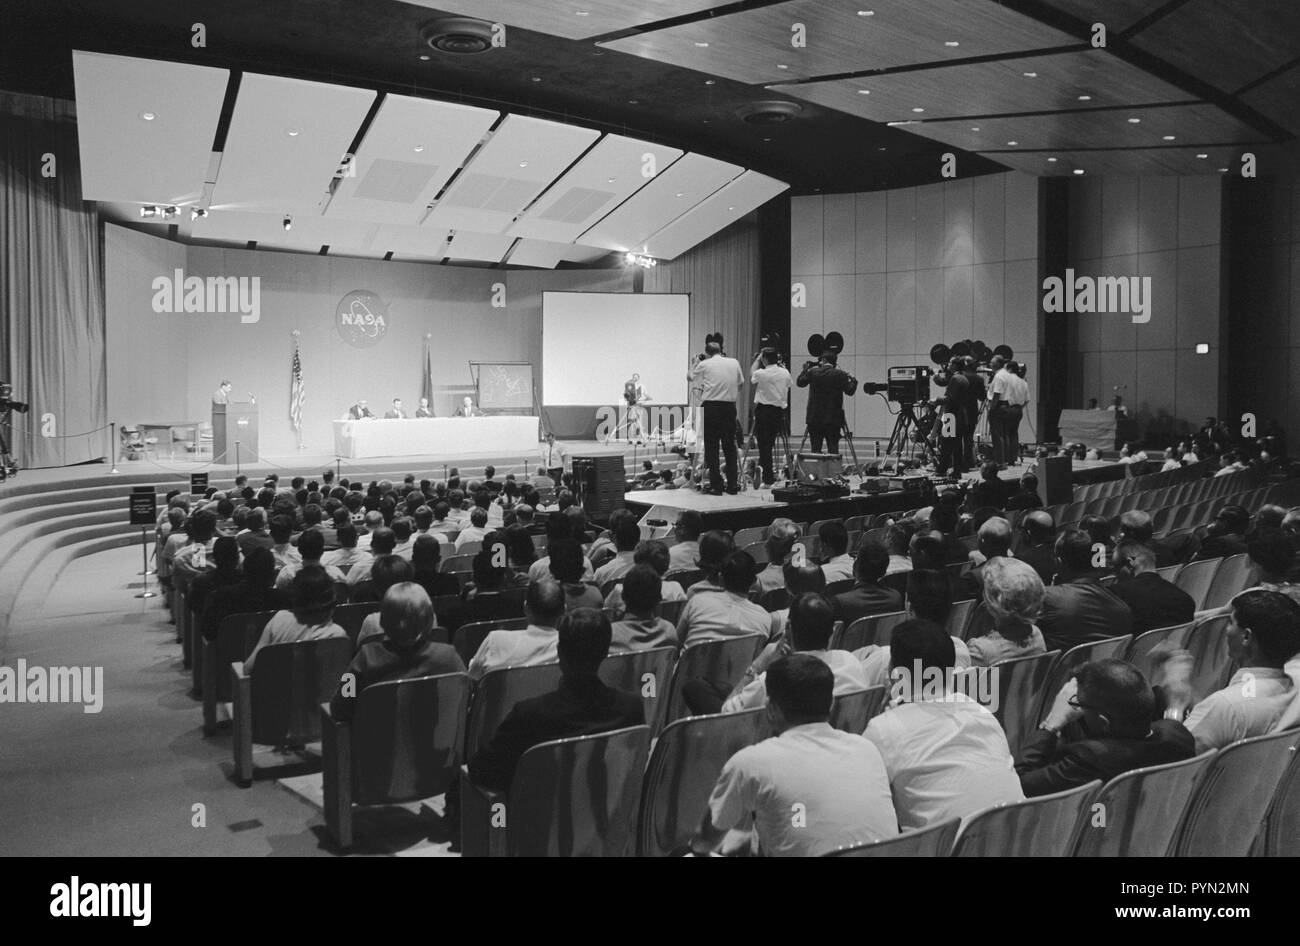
[
  {"x": 8, "y": 467},
  {"x": 782, "y": 443},
  {"x": 846, "y": 436}
]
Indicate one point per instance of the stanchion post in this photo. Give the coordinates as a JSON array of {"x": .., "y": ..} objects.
[
  {"x": 236, "y": 457},
  {"x": 144, "y": 557},
  {"x": 113, "y": 446}
]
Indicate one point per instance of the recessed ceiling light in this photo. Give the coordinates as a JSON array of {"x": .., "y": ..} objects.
[
  {"x": 710, "y": 81},
  {"x": 1085, "y": 98},
  {"x": 1223, "y": 170},
  {"x": 1030, "y": 75},
  {"x": 424, "y": 57},
  {"x": 679, "y": 194},
  {"x": 864, "y": 91},
  {"x": 1168, "y": 137},
  {"x": 418, "y": 149},
  {"x": 1202, "y": 155},
  {"x": 918, "y": 110},
  {"x": 702, "y": 45},
  {"x": 952, "y": 43},
  {"x": 974, "y": 127},
  {"x": 767, "y": 139},
  {"x": 1078, "y": 170},
  {"x": 293, "y": 132},
  {"x": 148, "y": 116},
  {"x": 1134, "y": 121},
  {"x": 537, "y": 78},
  {"x": 581, "y": 12},
  {"x": 1051, "y": 160},
  {"x": 781, "y": 65},
  {"x": 633, "y": 101},
  {"x": 1013, "y": 143},
  {"x": 1202, "y": 348},
  {"x": 866, "y": 13},
  {"x": 523, "y": 164},
  {"x": 882, "y": 148}
]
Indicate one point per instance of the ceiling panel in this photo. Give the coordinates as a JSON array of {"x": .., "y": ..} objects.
[
  {"x": 1182, "y": 161},
  {"x": 993, "y": 88},
  {"x": 1189, "y": 124},
  {"x": 286, "y": 140},
  {"x": 480, "y": 247},
  {"x": 538, "y": 253},
  {"x": 601, "y": 180},
  {"x": 411, "y": 149},
  {"x": 1118, "y": 15},
  {"x": 125, "y": 157},
  {"x": 424, "y": 243},
  {"x": 721, "y": 209},
  {"x": 520, "y": 160},
  {"x": 673, "y": 192},
  {"x": 1278, "y": 99},
  {"x": 578, "y": 19},
  {"x": 578, "y": 253},
  {"x": 307, "y": 234},
  {"x": 1229, "y": 45},
  {"x": 755, "y": 46}
]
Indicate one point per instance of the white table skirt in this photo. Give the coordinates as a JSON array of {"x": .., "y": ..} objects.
[{"x": 433, "y": 435}]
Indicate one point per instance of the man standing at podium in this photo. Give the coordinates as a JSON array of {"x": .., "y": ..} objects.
[{"x": 222, "y": 394}]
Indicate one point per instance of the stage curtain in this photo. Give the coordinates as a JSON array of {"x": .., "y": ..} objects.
[
  {"x": 51, "y": 290},
  {"x": 722, "y": 276}
]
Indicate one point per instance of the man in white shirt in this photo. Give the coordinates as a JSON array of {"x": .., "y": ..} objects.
[
  {"x": 809, "y": 626},
  {"x": 382, "y": 542},
  {"x": 627, "y": 533},
  {"x": 1263, "y": 634},
  {"x": 535, "y": 644},
  {"x": 684, "y": 554},
  {"x": 311, "y": 546},
  {"x": 946, "y": 755},
  {"x": 771, "y": 383},
  {"x": 478, "y": 517},
  {"x": 834, "y": 541},
  {"x": 347, "y": 554},
  {"x": 554, "y": 458},
  {"x": 1010, "y": 395},
  {"x": 781, "y": 536},
  {"x": 373, "y": 521},
  {"x": 808, "y": 790},
  {"x": 717, "y": 615},
  {"x": 719, "y": 379}
]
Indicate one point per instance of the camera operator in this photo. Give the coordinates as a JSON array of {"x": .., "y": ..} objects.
[
  {"x": 827, "y": 385},
  {"x": 771, "y": 383},
  {"x": 978, "y": 395},
  {"x": 958, "y": 400},
  {"x": 7, "y": 403},
  {"x": 720, "y": 379}
]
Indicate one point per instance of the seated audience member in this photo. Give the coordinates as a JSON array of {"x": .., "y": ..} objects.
[
  {"x": 224, "y": 574},
  {"x": 898, "y": 538},
  {"x": 535, "y": 644},
  {"x": 605, "y": 548},
  {"x": 382, "y": 542},
  {"x": 311, "y": 617},
  {"x": 1013, "y": 596},
  {"x": 1263, "y": 636},
  {"x": 834, "y": 541},
  {"x": 838, "y": 779},
  {"x": 1136, "y": 525},
  {"x": 370, "y": 524},
  {"x": 541, "y": 480},
  {"x": 490, "y": 572},
  {"x": 993, "y": 541},
  {"x": 946, "y": 755},
  {"x": 520, "y": 552},
  {"x": 255, "y": 534},
  {"x": 566, "y": 567},
  {"x": 1038, "y": 549},
  {"x": 400, "y": 651},
  {"x": 988, "y": 493},
  {"x": 1171, "y": 461},
  {"x": 388, "y": 570},
  {"x": 255, "y": 591},
  {"x": 347, "y": 554},
  {"x": 1272, "y": 558},
  {"x": 311, "y": 546},
  {"x": 311, "y": 520},
  {"x": 809, "y": 629},
  {"x": 1026, "y": 497},
  {"x": 404, "y": 533},
  {"x": 338, "y": 518},
  {"x": 781, "y": 536},
  {"x": 1153, "y": 601},
  {"x": 654, "y": 553},
  {"x": 195, "y": 557},
  {"x": 1226, "y": 535},
  {"x": 1229, "y": 463},
  {"x": 1115, "y": 706},
  {"x": 682, "y": 555},
  {"x": 1099, "y": 533},
  {"x": 802, "y": 579},
  {"x": 582, "y": 705},
  {"x": 944, "y": 519},
  {"x": 867, "y": 596},
  {"x": 477, "y": 529},
  {"x": 640, "y": 628},
  {"x": 426, "y": 562},
  {"x": 929, "y": 598},
  {"x": 626, "y": 534},
  {"x": 715, "y": 546},
  {"x": 727, "y": 612},
  {"x": 558, "y": 529},
  {"x": 1077, "y": 609},
  {"x": 281, "y": 534}
]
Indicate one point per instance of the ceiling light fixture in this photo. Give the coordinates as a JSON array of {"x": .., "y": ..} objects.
[
  {"x": 702, "y": 45},
  {"x": 1078, "y": 170},
  {"x": 582, "y": 13},
  {"x": 288, "y": 223},
  {"x": 952, "y": 43},
  {"x": 710, "y": 81},
  {"x": 1134, "y": 121},
  {"x": 781, "y": 65},
  {"x": 866, "y": 13},
  {"x": 424, "y": 57},
  {"x": 636, "y": 259},
  {"x": 918, "y": 110},
  {"x": 1012, "y": 143},
  {"x": 633, "y": 101},
  {"x": 418, "y": 149},
  {"x": 1051, "y": 160},
  {"x": 148, "y": 116},
  {"x": 150, "y": 211},
  {"x": 1202, "y": 156},
  {"x": 731, "y": 208},
  {"x": 523, "y": 164},
  {"x": 974, "y": 127},
  {"x": 609, "y": 180},
  {"x": 293, "y": 132},
  {"x": 1030, "y": 75},
  {"x": 197, "y": 213},
  {"x": 537, "y": 78},
  {"x": 1223, "y": 170},
  {"x": 864, "y": 91},
  {"x": 1085, "y": 98},
  {"x": 1168, "y": 137}
]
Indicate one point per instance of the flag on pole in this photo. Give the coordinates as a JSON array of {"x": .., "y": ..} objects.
[
  {"x": 295, "y": 392},
  {"x": 426, "y": 385}
]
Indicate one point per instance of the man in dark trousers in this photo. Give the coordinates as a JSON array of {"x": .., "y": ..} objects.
[
  {"x": 1154, "y": 601},
  {"x": 978, "y": 394},
  {"x": 719, "y": 379},
  {"x": 582, "y": 705},
  {"x": 954, "y": 420},
  {"x": 771, "y": 394},
  {"x": 826, "y": 385}
]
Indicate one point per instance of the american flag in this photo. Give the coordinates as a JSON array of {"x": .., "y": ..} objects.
[{"x": 295, "y": 392}]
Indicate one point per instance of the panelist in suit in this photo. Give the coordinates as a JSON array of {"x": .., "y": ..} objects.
[
  {"x": 424, "y": 410},
  {"x": 359, "y": 410},
  {"x": 395, "y": 412},
  {"x": 222, "y": 394},
  {"x": 467, "y": 409}
]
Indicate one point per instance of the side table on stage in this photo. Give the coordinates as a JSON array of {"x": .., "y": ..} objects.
[{"x": 233, "y": 422}]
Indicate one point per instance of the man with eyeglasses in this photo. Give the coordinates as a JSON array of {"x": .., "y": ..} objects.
[{"x": 1115, "y": 709}]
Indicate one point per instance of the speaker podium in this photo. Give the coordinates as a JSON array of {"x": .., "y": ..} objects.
[{"x": 233, "y": 422}]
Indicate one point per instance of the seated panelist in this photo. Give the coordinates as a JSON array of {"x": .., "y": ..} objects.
[
  {"x": 395, "y": 412},
  {"x": 424, "y": 410},
  {"x": 467, "y": 409},
  {"x": 359, "y": 410}
]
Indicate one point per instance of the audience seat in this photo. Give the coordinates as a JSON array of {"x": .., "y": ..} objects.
[
  {"x": 350, "y": 617},
  {"x": 470, "y": 637},
  {"x": 496, "y": 694},
  {"x": 1141, "y": 810},
  {"x": 721, "y": 661},
  {"x": 456, "y": 563},
  {"x": 687, "y": 759},
  {"x": 1196, "y": 578},
  {"x": 757, "y": 550},
  {"x": 1047, "y": 826},
  {"x": 744, "y": 538},
  {"x": 670, "y": 611},
  {"x": 1072, "y": 660},
  {"x": 237, "y": 635},
  {"x": 875, "y": 629},
  {"x": 1207, "y": 642},
  {"x": 959, "y": 617},
  {"x": 852, "y": 711},
  {"x": 811, "y": 546},
  {"x": 685, "y": 577},
  {"x": 644, "y": 672},
  {"x": 506, "y": 604},
  {"x": 1021, "y": 681},
  {"x": 1281, "y": 834},
  {"x": 933, "y": 841},
  {"x": 839, "y": 587},
  {"x": 1152, "y": 647},
  {"x": 574, "y": 797},
  {"x": 277, "y": 705},
  {"x": 402, "y": 744},
  {"x": 1236, "y": 573},
  {"x": 1169, "y": 572},
  {"x": 1228, "y": 807}
]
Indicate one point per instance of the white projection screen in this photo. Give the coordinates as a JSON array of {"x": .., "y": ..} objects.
[{"x": 592, "y": 342}]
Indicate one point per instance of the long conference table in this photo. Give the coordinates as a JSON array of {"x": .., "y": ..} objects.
[{"x": 433, "y": 435}]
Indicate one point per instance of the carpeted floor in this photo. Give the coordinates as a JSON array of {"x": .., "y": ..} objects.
[{"x": 127, "y": 780}]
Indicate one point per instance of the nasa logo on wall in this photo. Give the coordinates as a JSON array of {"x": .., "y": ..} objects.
[{"x": 361, "y": 318}]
